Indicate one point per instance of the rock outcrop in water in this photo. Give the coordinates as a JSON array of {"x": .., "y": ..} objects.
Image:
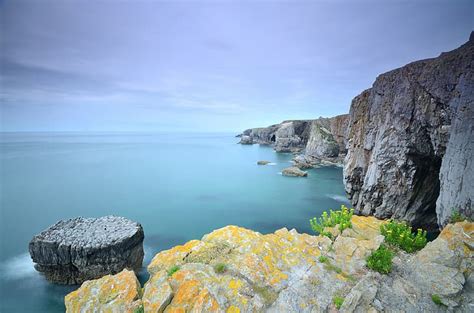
[
  {"x": 75, "y": 250},
  {"x": 410, "y": 140},
  {"x": 237, "y": 270},
  {"x": 317, "y": 140}
]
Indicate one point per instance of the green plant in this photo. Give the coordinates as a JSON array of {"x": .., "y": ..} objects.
[
  {"x": 173, "y": 270},
  {"x": 323, "y": 259},
  {"x": 436, "y": 299},
  {"x": 140, "y": 309},
  {"x": 401, "y": 235},
  {"x": 220, "y": 268},
  {"x": 380, "y": 260},
  {"x": 338, "y": 301},
  {"x": 456, "y": 216},
  {"x": 341, "y": 217},
  {"x": 332, "y": 267}
]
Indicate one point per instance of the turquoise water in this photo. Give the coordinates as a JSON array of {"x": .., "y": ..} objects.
[{"x": 178, "y": 186}]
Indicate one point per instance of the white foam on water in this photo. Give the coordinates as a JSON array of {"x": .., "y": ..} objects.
[
  {"x": 339, "y": 198},
  {"x": 18, "y": 267},
  {"x": 280, "y": 173},
  {"x": 271, "y": 163}
]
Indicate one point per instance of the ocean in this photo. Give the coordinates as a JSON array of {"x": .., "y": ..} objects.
[{"x": 179, "y": 186}]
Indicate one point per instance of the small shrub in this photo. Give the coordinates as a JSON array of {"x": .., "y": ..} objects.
[
  {"x": 400, "y": 235},
  {"x": 381, "y": 260},
  {"x": 341, "y": 218},
  {"x": 173, "y": 270},
  {"x": 338, "y": 301},
  {"x": 323, "y": 259},
  {"x": 436, "y": 299},
  {"x": 456, "y": 216},
  {"x": 220, "y": 268}
]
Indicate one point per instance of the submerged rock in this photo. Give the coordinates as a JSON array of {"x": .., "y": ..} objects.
[
  {"x": 284, "y": 272},
  {"x": 75, "y": 250},
  {"x": 263, "y": 162},
  {"x": 294, "y": 172}
]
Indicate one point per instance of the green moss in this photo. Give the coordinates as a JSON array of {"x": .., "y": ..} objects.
[
  {"x": 456, "y": 217},
  {"x": 338, "y": 301},
  {"x": 220, "y": 268},
  {"x": 173, "y": 270},
  {"x": 381, "y": 260},
  {"x": 400, "y": 234},
  {"x": 436, "y": 299},
  {"x": 323, "y": 259},
  {"x": 266, "y": 293}
]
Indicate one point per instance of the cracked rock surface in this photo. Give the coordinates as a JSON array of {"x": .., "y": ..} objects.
[
  {"x": 75, "y": 250},
  {"x": 283, "y": 272}
]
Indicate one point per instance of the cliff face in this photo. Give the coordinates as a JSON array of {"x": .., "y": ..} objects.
[
  {"x": 234, "y": 269},
  {"x": 322, "y": 138},
  {"x": 397, "y": 137}
]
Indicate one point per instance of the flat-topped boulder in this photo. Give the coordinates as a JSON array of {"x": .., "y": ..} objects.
[
  {"x": 294, "y": 172},
  {"x": 79, "y": 249}
]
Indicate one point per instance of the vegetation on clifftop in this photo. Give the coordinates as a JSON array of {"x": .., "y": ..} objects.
[
  {"x": 341, "y": 217},
  {"x": 400, "y": 234}
]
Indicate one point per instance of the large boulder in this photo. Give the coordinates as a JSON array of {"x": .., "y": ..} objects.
[{"x": 75, "y": 250}]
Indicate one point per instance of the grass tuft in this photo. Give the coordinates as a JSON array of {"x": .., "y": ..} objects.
[
  {"x": 338, "y": 301},
  {"x": 220, "y": 268},
  {"x": 173, "y": 270}
]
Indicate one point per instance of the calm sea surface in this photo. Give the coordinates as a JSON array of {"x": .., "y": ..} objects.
[{"x": 178, "y": 186}]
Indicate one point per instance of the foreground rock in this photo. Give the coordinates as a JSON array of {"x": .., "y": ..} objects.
[
  {"x": 75, "y": 250},
  {"x": 294, "y": 172},
  {"x": 237, "y": 270},
  {"x": 411, "y": 140},
  {"x": 117, "y": 293}
]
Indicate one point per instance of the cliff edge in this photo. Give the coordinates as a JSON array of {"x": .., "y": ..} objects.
[{"x": 234, "y": 269}]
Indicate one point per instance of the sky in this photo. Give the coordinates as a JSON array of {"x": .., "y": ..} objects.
[{"x": 206, "y": 66}]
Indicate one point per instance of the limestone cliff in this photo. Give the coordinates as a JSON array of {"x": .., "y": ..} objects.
[
  {"x": 238, "y": 270},
  {"x": 319, "y": 139},
  {"x": 410, "y": 136}
]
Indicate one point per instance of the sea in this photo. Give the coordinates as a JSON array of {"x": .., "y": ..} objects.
[{"x": 179, "y": 186}]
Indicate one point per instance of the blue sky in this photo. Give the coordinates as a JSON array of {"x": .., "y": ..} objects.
[{"x": 206, "y": 66}]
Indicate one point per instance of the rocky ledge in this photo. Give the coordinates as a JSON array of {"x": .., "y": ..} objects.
[
  {"x": 75, "y": 250},
  {"x": 238, "y": 270}
]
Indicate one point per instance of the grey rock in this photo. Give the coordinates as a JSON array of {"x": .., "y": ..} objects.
[
  {"x": 398, "y": 133},
  {"x": 294, "y": 172},
  {"x": 263, "y": 162},
  {"x": 246, "y": 140},
  {"x": 319, "y": 139},
  {"x": 75, "y": 250}
]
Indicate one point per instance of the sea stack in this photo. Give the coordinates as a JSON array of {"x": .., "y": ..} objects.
[{"x": 79, "y": 249}]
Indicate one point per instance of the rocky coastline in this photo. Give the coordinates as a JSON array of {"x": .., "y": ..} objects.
[{"x": 406, "y": 146}]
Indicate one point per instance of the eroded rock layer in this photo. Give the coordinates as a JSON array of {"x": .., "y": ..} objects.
[
  {"x": 72, "y": 251},
  {"x": 238, "y": 270},
  {"x": 398, "y": 133}
]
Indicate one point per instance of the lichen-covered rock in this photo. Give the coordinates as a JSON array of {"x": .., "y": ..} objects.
[
  {"x": 294, "y": 171},
  {"x": 284, "y": 272},
  {"x": 397, "y": 136},
  {"x": 120, "y": 293},
  {"x": 75, "y": 250}
]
